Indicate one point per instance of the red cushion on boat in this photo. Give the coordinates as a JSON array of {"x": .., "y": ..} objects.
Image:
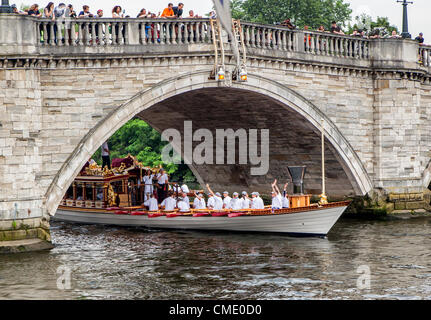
[
  {"x": 173, "y": 215},
  {"x": 121, "y": 212},
  {"x": 237, "y": 214},
  {"x": 201, "y": 214},
  {"x": 220, "y": 214},
  {"x": 155, "y": 215},
  {"x": 139, "y": 213}
]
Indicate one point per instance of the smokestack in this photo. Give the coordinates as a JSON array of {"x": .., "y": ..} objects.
[{"x": 297, "y": 174}]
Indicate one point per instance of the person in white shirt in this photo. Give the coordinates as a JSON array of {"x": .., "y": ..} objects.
[
  {"x": 277, "y": 200},
  {"x": 148, "y": 184},
  {"x": 183, "y": 206},
  {"x": 226, "y": 200},
  {"x": 170, "y": 203},
  {"x": 152, "y": 203},
  {"x": 235, "y": 202},
  {"x": 186, "y": 200},
  {"x": 211, "y": 201},
  {"x": 245, "y": 200},
  {"x": 163, "y": 182},
  {"x": 199, "y": 203},
  {"x": 257, "y": 202},
  {"x": 218, "y": 201}
]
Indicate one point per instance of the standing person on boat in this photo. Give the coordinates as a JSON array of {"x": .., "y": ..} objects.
[
  {"x": 218, "y": 201},
  {"x": 286, "y": 200},
  {"x": 199, "y": 203},
  {"x": 152, "y": 203},
  {"x": 148, "y": 184},
  {"x": 257, "y": 202},
  {"x": 170, "y": 203},
  {"x": 162, "y": 185},
  {"x": 106, "y": 155},
  {"x": 245, "y": 200},
  {"x": 235, "y": 202},
  {"x": 277, "y": 201},
  {"x": 226, "y": 200}
]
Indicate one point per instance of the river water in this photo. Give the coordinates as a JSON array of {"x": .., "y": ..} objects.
[{"x": 121, "y": 263}]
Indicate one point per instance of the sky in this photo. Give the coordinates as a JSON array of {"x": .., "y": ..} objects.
[{"x": 418, "y": 12}]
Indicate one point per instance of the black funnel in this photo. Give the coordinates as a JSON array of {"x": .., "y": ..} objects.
[{"x": 297, "y": 174}]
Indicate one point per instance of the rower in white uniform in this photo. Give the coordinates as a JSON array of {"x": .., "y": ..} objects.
[
  {"x": 286, "y": 200},
  {"x": 218, "y": 201},
  {"x": 277, "y": 200},
  {"x": 211, "y": 201},
  {"x": 226, "y": 200},
  {"x": 170, "y": 203},
  {"x": 199, "y": 203},
  {"x": 183, "y": 205},
  {"x": 245, "y": 200},
  {"x": 186, "y": 199},
  {"x": 257, "y": 202},
  {"x": 235, "y": 202},
  {"x": 152, "y": 203}
]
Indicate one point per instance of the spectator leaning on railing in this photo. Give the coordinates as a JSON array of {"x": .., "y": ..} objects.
[{"x": 420, "y": 38}]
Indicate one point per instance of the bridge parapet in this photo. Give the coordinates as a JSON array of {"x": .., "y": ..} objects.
[{"x": 22, "y": 36}]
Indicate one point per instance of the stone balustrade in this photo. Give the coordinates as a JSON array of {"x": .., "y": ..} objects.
[
  {"x": 22, "y": 36},
  {"x": 50, "y": 35},
  {"x": 316, "y": 43},
  {"x": 425, "y": 55}
]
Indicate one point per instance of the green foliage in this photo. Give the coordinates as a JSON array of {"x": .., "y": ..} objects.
[
  {"x": 366, "y": 23},
  {"x": 312, "y": 13},
  {"x": 137, "y": 138}
]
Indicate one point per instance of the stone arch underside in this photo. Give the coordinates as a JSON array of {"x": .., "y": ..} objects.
[{"x": 260, "y": 103}]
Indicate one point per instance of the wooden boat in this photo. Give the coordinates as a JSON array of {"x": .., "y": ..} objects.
[
  {"x": 110, "y": 202},
  {"x": 312, "y": 220}
]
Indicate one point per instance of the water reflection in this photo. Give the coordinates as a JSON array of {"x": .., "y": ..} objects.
[{"x": 118, "y": 263}]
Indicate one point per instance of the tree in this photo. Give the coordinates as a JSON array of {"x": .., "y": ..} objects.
[
  {"x": 137, "y": 138},
  {"x": 312, "y": 13},
  {"x": 365, "y": 22}
]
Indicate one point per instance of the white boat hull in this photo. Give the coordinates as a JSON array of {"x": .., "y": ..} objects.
[{"x": 306, "y": 223}]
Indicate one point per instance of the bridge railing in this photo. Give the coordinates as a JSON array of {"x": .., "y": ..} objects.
[
  {"x": 117, "y": 32},
  {"x": 21, "y": 35},
  {"x": 313, "y": 42},
  {"x": 425, "y": 55}
]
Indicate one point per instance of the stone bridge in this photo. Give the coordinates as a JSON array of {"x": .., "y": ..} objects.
[{"x": 60, "y": 100}]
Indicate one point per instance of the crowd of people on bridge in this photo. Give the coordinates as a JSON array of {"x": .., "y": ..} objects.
[
  {"x": 51, "y": 11},
  {"x": 177, "y": 12},
  {"x": 335, "y": 28}
]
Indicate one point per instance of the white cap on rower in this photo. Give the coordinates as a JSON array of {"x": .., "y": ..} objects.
[
  {"x": 235, "y": 194},
  {"x": 225, "y": 192}
]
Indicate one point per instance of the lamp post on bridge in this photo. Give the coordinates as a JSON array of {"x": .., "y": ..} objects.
[
  {"x": 405, "y": 34},
  {"x": 5, "y": 7}
]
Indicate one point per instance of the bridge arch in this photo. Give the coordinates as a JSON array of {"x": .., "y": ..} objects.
[{"x": 193, "y": 82}]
